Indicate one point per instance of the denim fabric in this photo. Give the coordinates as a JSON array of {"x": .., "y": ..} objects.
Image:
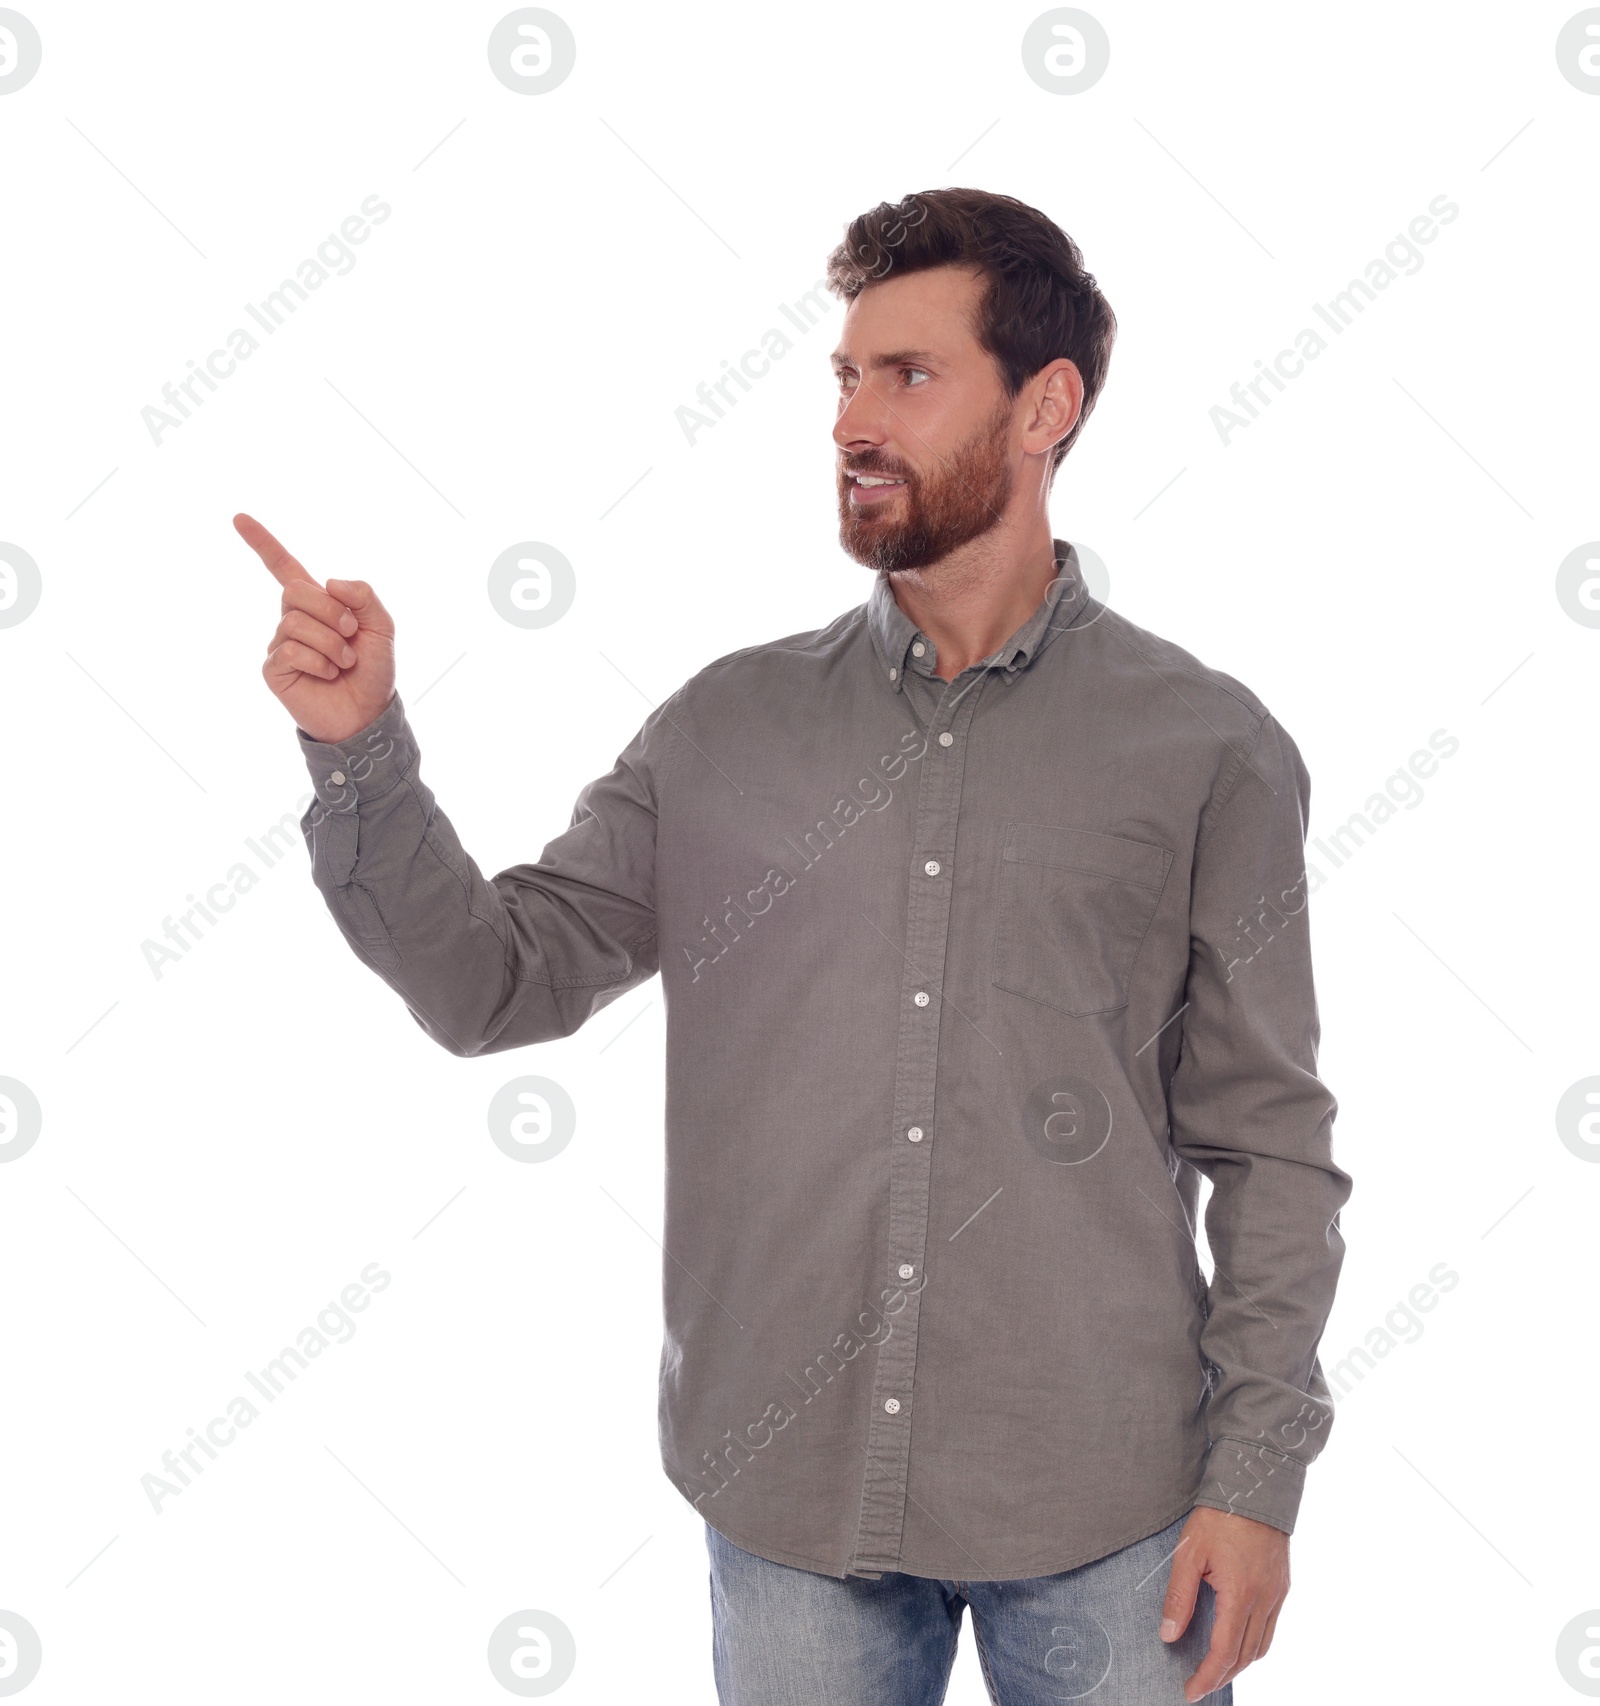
[{"x": 787, "y": 1637}]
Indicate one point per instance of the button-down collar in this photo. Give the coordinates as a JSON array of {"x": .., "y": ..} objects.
[{"x": 893, "y": 632}]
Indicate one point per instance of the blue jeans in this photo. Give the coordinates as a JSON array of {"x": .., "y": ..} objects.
[{"x": 787, "y": 1637}]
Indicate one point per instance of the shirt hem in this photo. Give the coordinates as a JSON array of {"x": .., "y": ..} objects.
[
  {"x": 1140, "y": 1531},
  {"x": 798, "y": 1561}
]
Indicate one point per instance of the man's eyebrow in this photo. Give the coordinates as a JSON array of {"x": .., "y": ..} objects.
[{"x": 894, "y": 358}]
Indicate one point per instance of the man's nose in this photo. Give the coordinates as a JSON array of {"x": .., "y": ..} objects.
[{"x": 863, "y": 421}]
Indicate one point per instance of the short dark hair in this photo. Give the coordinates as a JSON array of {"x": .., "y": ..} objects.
[{"x": 1040, "y": 302}]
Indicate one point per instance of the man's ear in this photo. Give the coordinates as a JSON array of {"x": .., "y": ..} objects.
[{"x": 1056, "y": 393}]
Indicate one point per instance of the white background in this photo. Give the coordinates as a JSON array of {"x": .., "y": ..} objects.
[{"x": 227, "y": 1145}]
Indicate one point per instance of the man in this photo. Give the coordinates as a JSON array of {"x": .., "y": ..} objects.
[{"x": 981, "y": 921}]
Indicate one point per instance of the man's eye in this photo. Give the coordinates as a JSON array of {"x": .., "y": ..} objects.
[{"x": 847, "y": 380}]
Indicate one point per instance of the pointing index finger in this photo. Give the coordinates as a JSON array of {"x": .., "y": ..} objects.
[{"x": 283, "y": 566}]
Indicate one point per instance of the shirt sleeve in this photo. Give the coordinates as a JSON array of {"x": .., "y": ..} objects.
[
  {"x": 486, "y": 964},
  {"x": 1249, "y": 1112}
]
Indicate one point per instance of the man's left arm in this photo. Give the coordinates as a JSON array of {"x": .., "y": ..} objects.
[{"x": 1248, "y": 1111}]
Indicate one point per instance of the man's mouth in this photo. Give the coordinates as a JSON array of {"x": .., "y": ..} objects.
[{"x": 873, "y": 488}]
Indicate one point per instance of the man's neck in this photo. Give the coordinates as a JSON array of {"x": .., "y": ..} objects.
[{"x": 971, "y": 602}]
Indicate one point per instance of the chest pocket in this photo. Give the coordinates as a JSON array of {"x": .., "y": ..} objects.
[{"x": 1074, "y": 909}]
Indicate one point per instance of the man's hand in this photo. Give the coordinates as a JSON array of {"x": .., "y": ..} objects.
[
  {"x": 331, "y": 659},
  {"x": 1247, "y": 1565}
]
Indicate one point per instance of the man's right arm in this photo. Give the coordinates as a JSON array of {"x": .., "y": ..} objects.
[
  {"x": 485, "y": 964},
  {"x": 482, "y": 964}
]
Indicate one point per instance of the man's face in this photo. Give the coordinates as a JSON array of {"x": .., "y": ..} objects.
[{"x": 921, "y": 404}]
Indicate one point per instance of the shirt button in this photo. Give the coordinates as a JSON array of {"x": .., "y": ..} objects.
[
  {"x": 921, "y": 998},
  {"x": 915, "y": 1134},
  {"x": 932, "y": 867},
  {"x": 947, "y": 739},
  {"x": 894, "y": 675},
  {"x": 892, "y": 1405},
  {"x": 918, "y": 649},
  {"x": 337, "y": 777},
  {"x": 906, "y": 1270}
]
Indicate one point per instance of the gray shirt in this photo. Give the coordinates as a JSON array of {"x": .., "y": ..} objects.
[{"x": 960, "y": 1006}]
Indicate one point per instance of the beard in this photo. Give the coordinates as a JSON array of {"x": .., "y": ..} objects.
[{"x": 933, "y": 514}]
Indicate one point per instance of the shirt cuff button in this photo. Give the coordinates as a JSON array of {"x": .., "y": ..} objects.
[{"x": 337, "y": 778}]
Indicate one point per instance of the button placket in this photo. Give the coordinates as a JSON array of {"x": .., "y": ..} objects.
[{"x": 913, "y": 1134}]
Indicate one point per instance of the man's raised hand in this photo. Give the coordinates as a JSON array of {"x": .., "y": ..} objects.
[{"x": 331, "y": 657}]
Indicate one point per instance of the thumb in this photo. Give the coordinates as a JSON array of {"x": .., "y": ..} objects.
[
  {"x": 366, "y": 604},
  {"x": 1183, "y": 1587}
]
